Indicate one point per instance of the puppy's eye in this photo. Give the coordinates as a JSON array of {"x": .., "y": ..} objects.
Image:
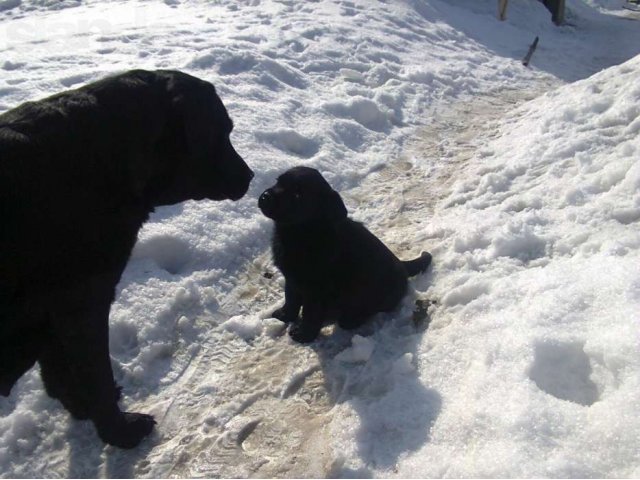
[{"x": 297, "y": 195}]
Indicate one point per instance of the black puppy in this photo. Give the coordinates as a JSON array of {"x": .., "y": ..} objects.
[
  {"x": 334, "y": 268},
  {"x": 79, "y": 174}
]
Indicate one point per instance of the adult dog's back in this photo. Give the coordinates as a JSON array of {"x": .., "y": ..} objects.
[{"x": 67, "y": 180}]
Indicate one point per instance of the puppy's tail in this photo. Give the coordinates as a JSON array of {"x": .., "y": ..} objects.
[{"x": 417, "y": 265}]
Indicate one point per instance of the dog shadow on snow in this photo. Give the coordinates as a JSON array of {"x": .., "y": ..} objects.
[{"x": 375, "y": 368}]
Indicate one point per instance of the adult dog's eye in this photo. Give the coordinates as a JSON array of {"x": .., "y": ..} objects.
[{"x": 297, "y": 195}]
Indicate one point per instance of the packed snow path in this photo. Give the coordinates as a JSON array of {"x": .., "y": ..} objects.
[
  {"x": 521, "y": 358},
  {"x": 270, "y": 402}
]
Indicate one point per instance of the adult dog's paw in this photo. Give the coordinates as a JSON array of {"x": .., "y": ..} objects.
[{"x": 128, "y": 430}]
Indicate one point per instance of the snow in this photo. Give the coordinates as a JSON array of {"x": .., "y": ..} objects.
[
  {"x": 360, "y": 350},
  {"x": 523, "y": 183},
  {"x": 539, "y": 294}
]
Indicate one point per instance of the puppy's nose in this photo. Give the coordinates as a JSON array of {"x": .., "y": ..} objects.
[
  {"x": 265, "y": 201},
  {"x": 265, "y": 197}
]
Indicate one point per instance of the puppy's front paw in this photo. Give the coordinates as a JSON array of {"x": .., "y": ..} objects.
[
  {"x": 284, "y": 316},
  {"x": 301, "y": 335}
]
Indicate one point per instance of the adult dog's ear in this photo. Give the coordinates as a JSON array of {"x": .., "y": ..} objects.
[
  {"x": 189, "y": 124},
  {"x": 335, "y": 209},
  {"x": 196, "y": 111}
]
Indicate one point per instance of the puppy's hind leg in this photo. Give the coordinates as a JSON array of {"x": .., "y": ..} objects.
[
  {"x": 417, "y": 265},
  {"x": 307, "y": 329}
]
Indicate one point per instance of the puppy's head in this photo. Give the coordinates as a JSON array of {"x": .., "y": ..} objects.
[
  {"x": 202, "y": 162},
  {"x": 302, "y": 195}
]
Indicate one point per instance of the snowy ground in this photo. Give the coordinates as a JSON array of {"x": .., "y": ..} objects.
[{"x": 521, "y": 358}]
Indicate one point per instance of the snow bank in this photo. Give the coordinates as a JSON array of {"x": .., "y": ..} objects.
[{"x": 534, "y": 344}]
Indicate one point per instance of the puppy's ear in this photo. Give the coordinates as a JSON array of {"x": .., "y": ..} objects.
[{"x": 335, "y": 209}]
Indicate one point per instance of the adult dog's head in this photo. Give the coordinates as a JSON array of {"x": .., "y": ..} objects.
[
  {"x": 302, "y": 195},
  {"x": 196, "y": 155}
]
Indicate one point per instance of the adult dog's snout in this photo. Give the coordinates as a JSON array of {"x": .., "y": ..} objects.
[{"x": 239, "y": 176}]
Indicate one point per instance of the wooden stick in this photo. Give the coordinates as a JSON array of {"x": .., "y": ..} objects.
[
  {"x": 532, "y": 48},
  {"x": 502, "y": 9}
]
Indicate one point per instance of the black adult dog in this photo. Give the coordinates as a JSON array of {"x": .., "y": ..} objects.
[
  {"x": 79, "y": 174},
  {"x": 333, "y": 267}
]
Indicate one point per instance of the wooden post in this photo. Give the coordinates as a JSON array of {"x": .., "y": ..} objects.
[
  {"x": 502, "y": 9},
  {"x": 557, "y": 9},
  {"x": 559, "y": 15}
]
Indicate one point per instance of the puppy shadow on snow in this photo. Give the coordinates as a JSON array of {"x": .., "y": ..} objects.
[
  {"x": 336, "y": 270},
  {"x": 374, "y": 369}
]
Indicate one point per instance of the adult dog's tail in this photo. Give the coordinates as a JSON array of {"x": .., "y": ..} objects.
[{"x": 417, "y": 265}]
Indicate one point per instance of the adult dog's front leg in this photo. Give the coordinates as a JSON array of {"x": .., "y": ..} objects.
[
  {"x": 308, "y": 327},
  {"x": 288, "y": 313},
  {"x": 76, "y": 368}
]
